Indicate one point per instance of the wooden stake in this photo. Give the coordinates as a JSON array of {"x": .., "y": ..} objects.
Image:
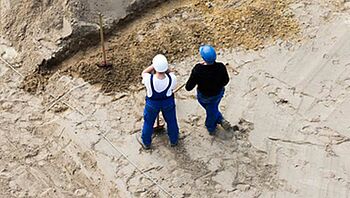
[{"x": 104, "y": 63}]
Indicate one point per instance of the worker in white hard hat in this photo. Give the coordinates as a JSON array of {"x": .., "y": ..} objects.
[{"x": 160, "y": 83}]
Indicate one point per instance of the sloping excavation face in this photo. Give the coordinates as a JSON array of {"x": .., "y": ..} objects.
[{"x": 45, "y": 33}]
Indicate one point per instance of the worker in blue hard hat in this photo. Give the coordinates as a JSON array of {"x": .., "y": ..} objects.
[
  {"x": 160, "y": 83},
  {"x": 210, "y": 77}
]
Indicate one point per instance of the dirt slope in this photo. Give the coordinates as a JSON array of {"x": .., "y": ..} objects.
[
  {"x": 46, "y": 32},
  {"x": 178, "y": 33}
]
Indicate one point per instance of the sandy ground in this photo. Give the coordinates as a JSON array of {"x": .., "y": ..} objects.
[{"x": 290, "y": 100}]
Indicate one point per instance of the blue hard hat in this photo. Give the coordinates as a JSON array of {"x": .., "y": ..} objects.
[{"x": 208, "y": 54}]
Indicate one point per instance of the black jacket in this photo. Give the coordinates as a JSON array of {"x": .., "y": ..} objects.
[{"x": 211, "y": 79}]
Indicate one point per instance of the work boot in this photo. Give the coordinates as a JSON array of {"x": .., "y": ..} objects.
[
  {"x": 226, "y": 125},
  {"x": 140, "y": 141},
  {"x": 174, "y": 145},
  {"x": 213, "y": 133}
]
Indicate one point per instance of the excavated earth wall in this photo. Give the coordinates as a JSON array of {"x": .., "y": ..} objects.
[{"x": 46, "y": 32}]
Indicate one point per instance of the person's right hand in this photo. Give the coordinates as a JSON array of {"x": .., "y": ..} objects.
[{"x": 149, "y": 69}]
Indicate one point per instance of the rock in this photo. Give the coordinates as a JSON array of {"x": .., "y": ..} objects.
[
  {"x": 246, "y": 160},
  {"x": 141, "y": 190},
  {"x": 17, "y": 65},
  {"x": 80, "y": 192},
  {"x": 119, "y": 96},
  {"x": 243, "y": 187},
  {"x": 35, "y": 117},
  {"x": 194, "y": 119},
  {"x": 317, "y": 119},
  {"x": 60, "y": 107},
  {"x": 7, "y": 106},
  {"x": 41, "y": 163},
  {"x": 209, "y": 4}
]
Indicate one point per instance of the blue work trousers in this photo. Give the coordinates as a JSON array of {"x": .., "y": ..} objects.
[
  {"x": 151, "y": 111},
  {"x": 211, "y": 106}
]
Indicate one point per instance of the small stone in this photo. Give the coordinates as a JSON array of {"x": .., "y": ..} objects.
[
  {"x": 41, "y": 163},
  {"x": 141, "y": 190},
  {"x": 35, "y": 118},
  {"x": 119, "y": 96},
  {"x": 243, "y": 187},
  {"x": 194, "y": 119},
  {"x": 318, "y": 119},
  {"x": 17, "y": 65},
  {"x": 80, "y": 192},
  {"x": 7, "y": 105},
  {"x": 209, "y": 5}
]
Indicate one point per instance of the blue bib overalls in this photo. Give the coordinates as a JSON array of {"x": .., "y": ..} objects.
[{"x": 154, "y": 104}]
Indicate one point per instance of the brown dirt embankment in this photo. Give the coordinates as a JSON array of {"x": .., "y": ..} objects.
[{"x": 178, "y": 34}]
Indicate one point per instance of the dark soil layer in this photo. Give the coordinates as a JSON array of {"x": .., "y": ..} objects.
[{"x": 178, "y": 34}]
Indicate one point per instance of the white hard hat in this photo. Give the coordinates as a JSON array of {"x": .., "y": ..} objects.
[{"x": 160, "y": 63}]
